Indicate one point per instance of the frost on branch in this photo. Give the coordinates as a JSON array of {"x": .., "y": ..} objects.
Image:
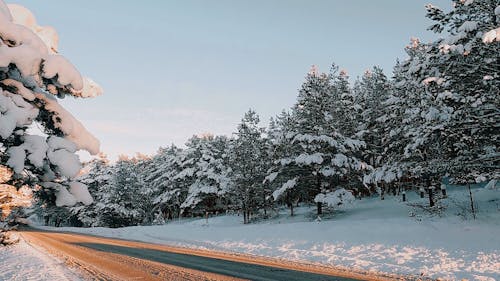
[{"x": 32, "y": 76}]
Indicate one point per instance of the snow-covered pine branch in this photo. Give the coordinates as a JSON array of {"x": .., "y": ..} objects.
[{"x": 32, "y": 76}]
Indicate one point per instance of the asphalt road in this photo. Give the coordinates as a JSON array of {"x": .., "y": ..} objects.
[{"x": 100, "y": 258}]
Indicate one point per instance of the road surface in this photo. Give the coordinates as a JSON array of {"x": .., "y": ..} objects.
[{"x": 100, "y": 258}]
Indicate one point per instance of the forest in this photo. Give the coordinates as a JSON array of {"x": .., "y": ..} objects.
[{"x": 434, "y": 120}]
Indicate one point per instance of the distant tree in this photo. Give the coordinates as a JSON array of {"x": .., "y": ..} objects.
[
  {"x": 319, "y": 158},
  {"x": 206, "y": 168},
  {"x": 248, "y": 157},
  {"x": 371, "y": 91},
  {"x": 169, "y": 192},
  {"x": 97, "y": 174},
  {"x": 121, "y": 203}
]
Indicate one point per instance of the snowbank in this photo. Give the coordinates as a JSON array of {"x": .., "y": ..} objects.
[{"x": 23, "y": 262}]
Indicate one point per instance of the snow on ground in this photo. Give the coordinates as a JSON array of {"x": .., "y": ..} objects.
[
  {"x": 382, "y": 236},
  {"x": 23, "y": 262}
]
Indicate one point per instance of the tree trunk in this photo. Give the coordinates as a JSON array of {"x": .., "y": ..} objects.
[
  {"x": 320, "y": 208},
  {"x": 58, "y": 222},
  {"x": 291, "y": 210},
  {"x": 431, "y": 197},
  {"x": 443, "y": 191},
  {"x": 471, "y": 203}
]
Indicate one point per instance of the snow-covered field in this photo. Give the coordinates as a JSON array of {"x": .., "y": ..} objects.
[
  {"x": 383, "y": 236},
  {"x": 24, "y": 262}
]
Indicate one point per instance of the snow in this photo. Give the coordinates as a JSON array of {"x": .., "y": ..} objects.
[
  {"x": 308, "y": 159},
  {"x": 4, "y": 11},
  {"x": 428, "y": 80},
  {"x": 24, "y": 262},
  {"x": 16, "y": 158},
  {"x": 286, "y": 186},
  {"x": 25, "y": 17},
  {"x": 59, "y": 66},
  {"x": 354, "y": 144},
  {"x": 195, "y": 190},
  {"x": 340, "y": 160},
  {"x": 80, "y": 192},
  {"x": 64, "y": 198},
  {"x": 25, "y": 93},
  {"x": 72, "y": 128},
  {"x": 381, "y": 174},
  {"x": 271, "y": 177},
  {"x": 34, "y": 51},
  {"x": 91, "y": 89},
  {"x": 37, "y": 148},
  {"x": 380, "y": 236},
  {"x": 468, "y": 26},
  {"x": 467, "y": 2},
  {"x": 335, "y": 198},
  {"x": 43, "y": 74},
  {"x": 14, "y": 112},
  {"x": 492, "y": 36},
  {"x": 62, "y": 154}
]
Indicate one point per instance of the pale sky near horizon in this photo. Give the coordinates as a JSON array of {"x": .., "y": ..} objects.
[{"x": 172, "y": 69}]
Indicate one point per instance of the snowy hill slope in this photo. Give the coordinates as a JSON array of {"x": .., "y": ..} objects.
[{"x": 387, "y": 236}]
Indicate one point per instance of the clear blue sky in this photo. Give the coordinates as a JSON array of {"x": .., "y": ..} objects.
[{"x": 171, "y": 69}]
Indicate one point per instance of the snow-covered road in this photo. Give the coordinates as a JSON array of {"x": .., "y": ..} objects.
[{"x": 112, "y": 259}]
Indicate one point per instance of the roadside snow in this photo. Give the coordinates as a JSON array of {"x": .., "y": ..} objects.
[
  {"x": 381, "y": 236},
  {"x": 23, "y": 262}
]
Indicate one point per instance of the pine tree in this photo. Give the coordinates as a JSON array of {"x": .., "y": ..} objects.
[
  {"x": 464, "y": 82},
  {"x": 318, "y": 158},
  {"x": 371, "y": 92},
  {"x": 97, "y": 173},
  {"x": 32, "y": 78},
  {"x": 444, "y": 102},
  {"x": 168, "y": 192},
  {"x": 345, "y": 107},
  {"x": 121, "y": 203},
  {"x": 248, "y": 158},
  {"x": 206, "y": 166}
]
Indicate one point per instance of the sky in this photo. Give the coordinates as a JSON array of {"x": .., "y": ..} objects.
[{"x": 173, "y": 69}]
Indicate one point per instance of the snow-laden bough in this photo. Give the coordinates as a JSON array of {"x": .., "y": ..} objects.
[{"x": 32, "y": 76}]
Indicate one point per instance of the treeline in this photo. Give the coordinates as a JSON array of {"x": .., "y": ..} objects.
[{"x": 437, "y": 117}]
